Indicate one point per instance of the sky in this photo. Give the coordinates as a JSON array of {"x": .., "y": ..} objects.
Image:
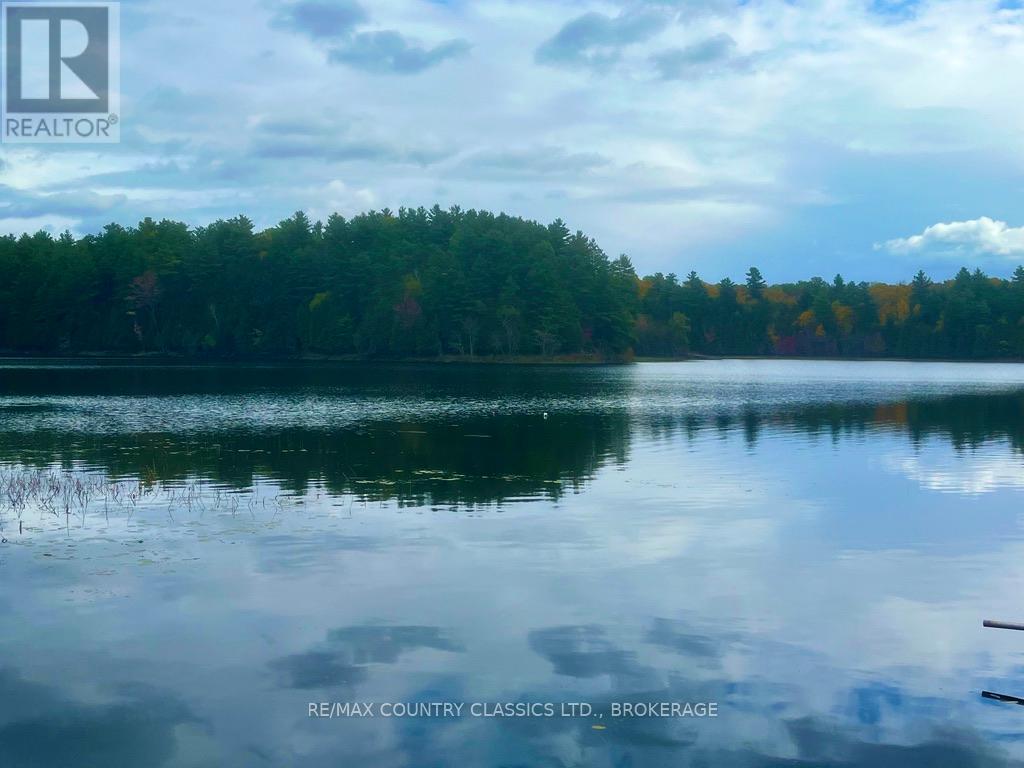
[{"x": 870, "y": 138}]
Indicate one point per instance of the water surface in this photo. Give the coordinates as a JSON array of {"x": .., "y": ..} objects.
[{"x": 194, "y": 554}]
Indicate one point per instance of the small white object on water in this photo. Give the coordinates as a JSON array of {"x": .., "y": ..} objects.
[{"x": 545, "y": 414}]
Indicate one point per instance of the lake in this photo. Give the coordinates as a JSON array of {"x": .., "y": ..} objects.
[{"x": 193, "y": 556}]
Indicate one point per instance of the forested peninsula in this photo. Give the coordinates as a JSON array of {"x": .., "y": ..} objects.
[{"x": 455, "y": 283}]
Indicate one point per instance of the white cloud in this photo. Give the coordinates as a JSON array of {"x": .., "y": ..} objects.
[
  {"x": 982, "y": 235},
  {"x": 16, "y": 225},
  {"x": 970, "y": 474}
]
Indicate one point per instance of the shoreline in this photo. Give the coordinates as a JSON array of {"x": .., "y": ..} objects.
[
  {"x": 172, "y": 359},
  {"x": 840, "y": 359},
  {"x": 531, "y": 360}
]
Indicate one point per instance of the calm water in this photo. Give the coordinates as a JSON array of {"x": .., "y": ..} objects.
[{"x": 193, "y": 555}]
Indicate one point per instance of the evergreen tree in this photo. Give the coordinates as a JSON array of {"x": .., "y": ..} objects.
[{"x": 425, "y": 283}]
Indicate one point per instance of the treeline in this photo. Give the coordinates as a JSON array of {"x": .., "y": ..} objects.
[
  {"x": 426, "y": 283},
  {"x": 415, "y": 283},
  {"x": 972, "y": 316}
]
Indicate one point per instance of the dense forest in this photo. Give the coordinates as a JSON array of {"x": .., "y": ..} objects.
[{"x": 429, "y": 283}]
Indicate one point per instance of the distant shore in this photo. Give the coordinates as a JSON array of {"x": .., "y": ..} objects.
[
  {"x": 158, "y": 357},
  {"x": 578, "y": 359},
  {"x": 837, "y": 359}
]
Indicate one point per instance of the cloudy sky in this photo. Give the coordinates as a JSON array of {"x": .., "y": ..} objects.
[{"x": 808, "y": 137}]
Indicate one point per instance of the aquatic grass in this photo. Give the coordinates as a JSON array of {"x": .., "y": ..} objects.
[
  {"x": 58, "y": 493},
  {"x": 62, "y": 493}
]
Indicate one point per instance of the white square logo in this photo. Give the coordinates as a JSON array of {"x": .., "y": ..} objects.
[{"x": 61, "y": 73}]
